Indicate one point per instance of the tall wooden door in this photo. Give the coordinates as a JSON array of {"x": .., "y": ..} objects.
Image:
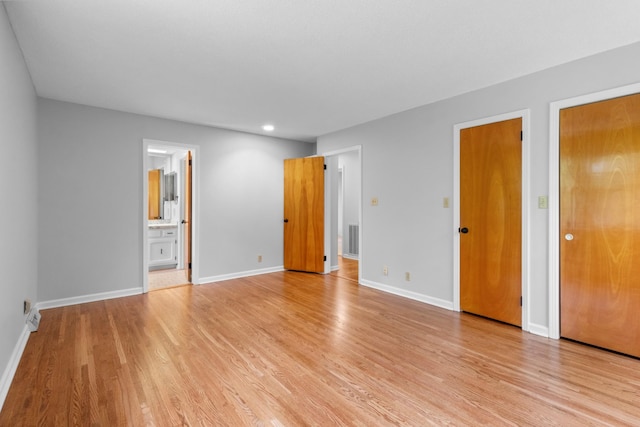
[
  {"x": 491, "y": 220},
  {"x": 187, "y": 221},
  {"x": 304, "y": 214},
  {"x": 600, "y": 224}
]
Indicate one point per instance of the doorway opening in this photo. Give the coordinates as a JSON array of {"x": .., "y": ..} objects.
[
  {"x": 168, "y": 214},
  {"x": 343, "y": 218}
]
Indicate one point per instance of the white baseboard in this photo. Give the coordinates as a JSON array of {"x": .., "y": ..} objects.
[
  {"x": 408, "y": 294},
  {"x": 351, "y": 256},
  {"x": 238, "y": 275},
  {"x": 12, "y": 366},
  {"x": 89, "y": 298},
  {"x": 535, "y": 329},
  {"x": 541, "y": 330}
]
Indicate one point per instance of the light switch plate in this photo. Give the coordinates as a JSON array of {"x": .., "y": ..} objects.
[{"x": 543, "y": 202}]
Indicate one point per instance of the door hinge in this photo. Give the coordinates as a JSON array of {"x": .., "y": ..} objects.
[
  {"x": 520, "y": 301},
  {"x": 325, "y": 258},
  {"x": 325, "y": 167},
  {"x": 189, "y": 266},
  {"x": 189, "y": 162},
  {"x": 521, "y": 136}
]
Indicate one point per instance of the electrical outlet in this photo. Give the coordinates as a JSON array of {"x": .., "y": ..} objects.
[
  {"x": 259, "y": 258},
  {"x": 27, "y": 306},
  {"x": 407, "y": 276},
  {"x": 385, "y": 270}
]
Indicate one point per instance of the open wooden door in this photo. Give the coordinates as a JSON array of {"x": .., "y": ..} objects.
[
  {"x": 187, "y": 221},
  {"x": 304, "y": 214},
  {"x": 491, "y": 220},
  {"x": 600, "y": 224}
]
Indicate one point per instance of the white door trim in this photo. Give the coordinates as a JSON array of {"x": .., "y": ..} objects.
[
  {"x": 554, "y": 192},
  {"x": 525, "y": 116},
  {"x": 195, "y": 205}
]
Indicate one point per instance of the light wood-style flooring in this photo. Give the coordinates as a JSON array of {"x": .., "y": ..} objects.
[
  {"x": 347, "y": 269},
  {"x": 294, "y": 349}
]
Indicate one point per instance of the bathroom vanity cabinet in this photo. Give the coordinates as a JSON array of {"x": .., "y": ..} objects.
[{"x": 162, "y": 247}]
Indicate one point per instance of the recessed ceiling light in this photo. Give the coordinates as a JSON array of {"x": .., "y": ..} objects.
[
  {"x": 268, "y": 128},
  {"x": 155, "y": 150}
]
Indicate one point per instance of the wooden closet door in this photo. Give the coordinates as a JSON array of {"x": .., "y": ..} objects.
[
  {"x": 491, "y": 220},
  {"x": 600, "y": 224}
]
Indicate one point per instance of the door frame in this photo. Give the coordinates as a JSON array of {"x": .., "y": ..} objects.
[
  {"x": 195, "y": 206},
  {"x": 329, "y": 207},
  {"x": 554, "y": 191},
  {"x": 457, "y": 128}
]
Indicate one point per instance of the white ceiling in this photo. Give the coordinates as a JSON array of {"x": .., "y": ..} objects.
[{"x": 310, "y": 67}]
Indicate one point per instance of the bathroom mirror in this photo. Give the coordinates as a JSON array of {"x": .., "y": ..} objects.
[{"x": 170, "y": 187}]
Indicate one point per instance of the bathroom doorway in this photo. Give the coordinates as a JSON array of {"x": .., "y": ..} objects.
[{"x": 169, "y": 214}]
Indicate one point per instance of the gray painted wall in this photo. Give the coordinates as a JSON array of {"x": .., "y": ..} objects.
[
  {"x": 90, "y": 187},
  {"x": 408, "y": 161},
  {"x": 18, "y": 175}
]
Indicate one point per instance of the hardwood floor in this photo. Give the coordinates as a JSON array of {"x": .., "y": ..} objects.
[
  {"x": 291, "y": 349},
  {"x": 347, "y": 269}
]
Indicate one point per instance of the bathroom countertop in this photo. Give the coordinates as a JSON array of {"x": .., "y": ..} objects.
[{"x": 156, "y": 225}]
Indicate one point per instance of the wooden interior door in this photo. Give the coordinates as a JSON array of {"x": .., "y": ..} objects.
[
  {"x": 600, "y": 224},
  {"x": 304, "y": 214},
  {"x": 154, "y": 194},
  {"x": 491, "y": 220},
  {"x": 187, "y": 221}
]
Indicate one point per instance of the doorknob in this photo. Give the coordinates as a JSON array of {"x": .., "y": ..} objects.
[
  {"x": 463, "y": 230},
  {"x": 568, "y": 236},
  {"x": 286, "y": 220}
]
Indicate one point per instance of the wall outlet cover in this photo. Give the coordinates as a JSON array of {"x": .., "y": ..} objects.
[{"x": 543, "y": 202}]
